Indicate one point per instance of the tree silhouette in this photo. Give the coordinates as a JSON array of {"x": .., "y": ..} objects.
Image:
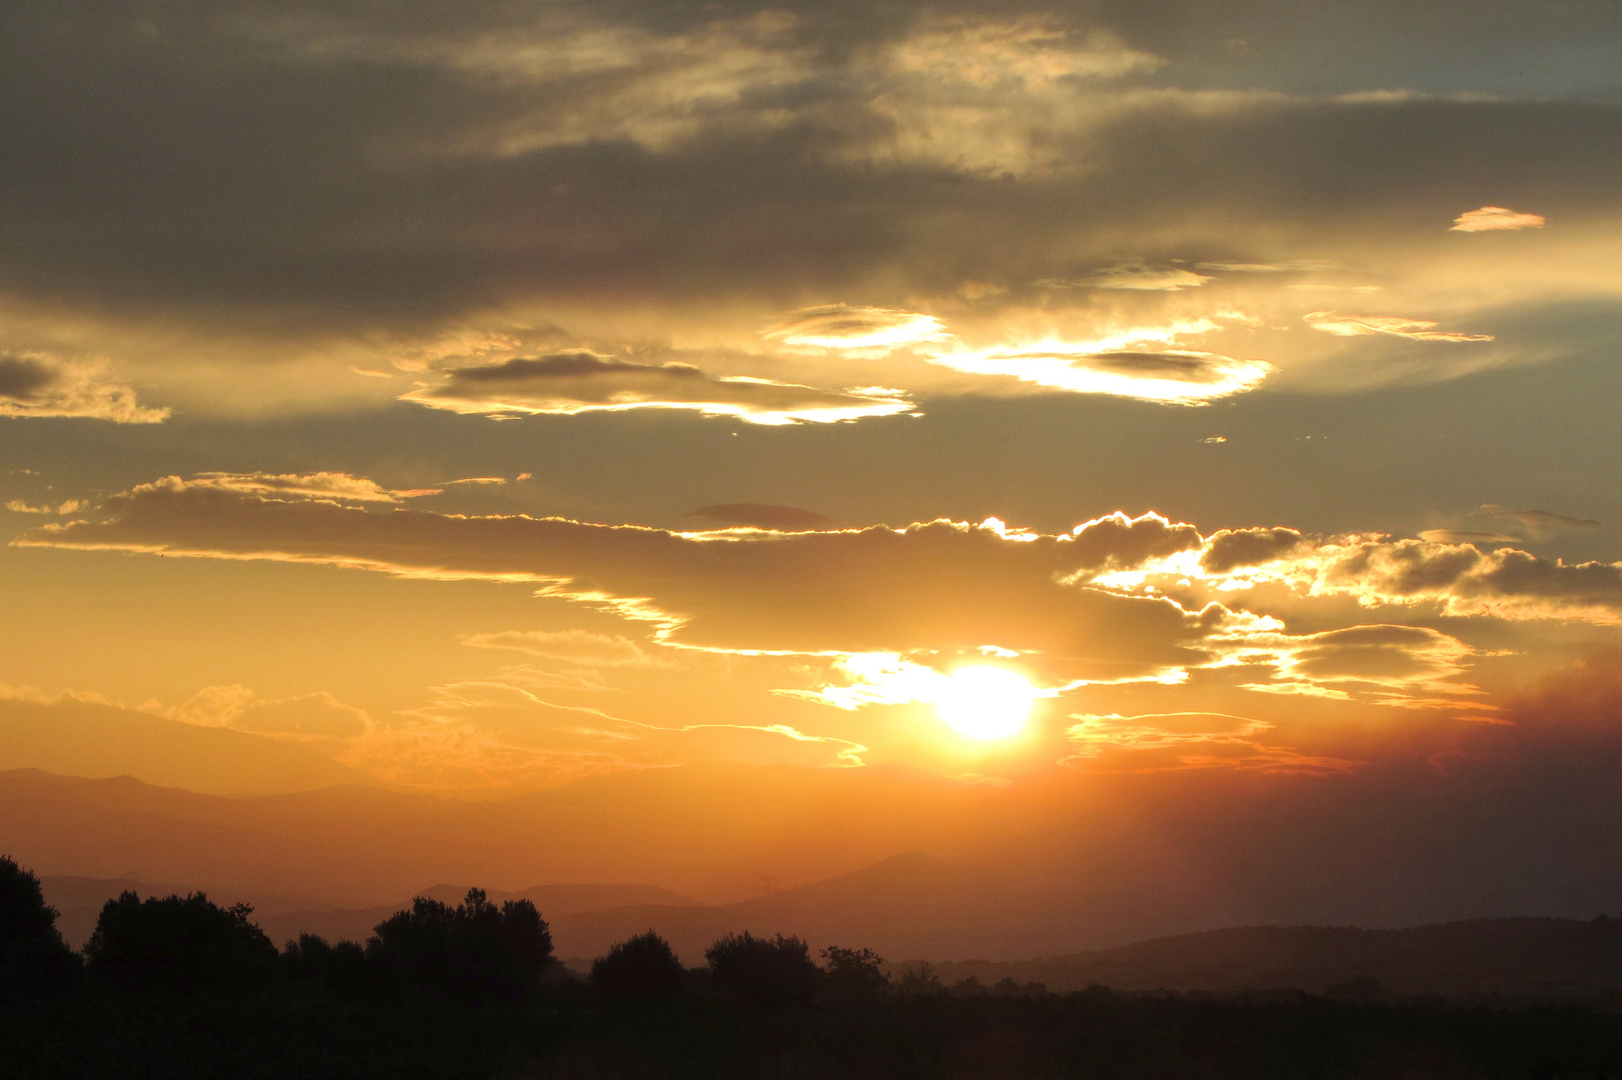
[
  {"x": 854, "y": 972},
  {"x": 180, "y": 944},
  {"x": 33, "y": 956},
  {"x": 767, "y": 972},
  {"x": 475, "y": 950},
  {"x": 640, "y": 968},
  {"x": 920, "y": 978},
  {"x": 311, "y": 958}
]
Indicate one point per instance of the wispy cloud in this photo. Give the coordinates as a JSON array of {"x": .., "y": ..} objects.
[
  {"x": 573, "y": 646},
  {"x": 1331, "y": 322},
  {"x": 1134, "y": 277}
]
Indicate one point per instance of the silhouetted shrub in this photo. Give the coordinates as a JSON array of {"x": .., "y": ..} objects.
[
  {"x": 33, "y": 956},
  {"x": 854, "y": 972},
  {"x": 312, "y": 959},
  {"x": 641, "y": 968},
  {"x": 475, "y": 950},
  {"x": 766, "y": 972},
  {"x": 180, "y": 944}
]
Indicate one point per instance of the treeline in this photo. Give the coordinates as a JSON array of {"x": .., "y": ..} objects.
[
  {"x": 179, "y": 987},
  {"x": 477, "y": 952}
]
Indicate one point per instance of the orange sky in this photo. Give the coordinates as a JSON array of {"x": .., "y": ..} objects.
[{"x": 1067, "y": 406}]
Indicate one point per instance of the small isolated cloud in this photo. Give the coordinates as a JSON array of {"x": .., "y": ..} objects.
[
  {"x": 1538, "y": 524},
  {"x": 34, "y": 384},
  {"x": 1331, "y": 322},
  {"x": 67, "y": 506},
  {"x": 1463, "y": 536},
  {"x": 1136, "y": 277},
  {"x": 841, "y": 326},
  {"x": 478, "y": 480},
  {"x": 763, "y": 516},
  {"x": 582, "y": 381},
  {"x": 321, "y": 485},
  {"x": 1173, "y": 376},
  {"x": 573, "y": 646},
  {"x": 1496, "y": 219}
]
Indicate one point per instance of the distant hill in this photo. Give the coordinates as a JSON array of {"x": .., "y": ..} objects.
[
  {"x": 84, "y": 739},
  {"x": 283, "y": 917},
  {"x": 557, "y": 900},
  {"x": 994, "y": 884},
  {"x": 553, "y": 902},
  {"x": 903, "y": 905},
  {"x": 1488, "y": 956},
  {"x": 79, "y": 900},
  {"x": 907, "y": 905}
]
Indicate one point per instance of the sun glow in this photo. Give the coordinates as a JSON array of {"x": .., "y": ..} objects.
[{"x": 985, "y": 702}]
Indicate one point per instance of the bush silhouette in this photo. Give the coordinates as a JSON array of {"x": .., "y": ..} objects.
[
  {"x": 312, "y": 959},
  {"x": 475, "y": 950},
  {"x": 767, "y": 972},
  {"x": 640, "y": 968},
  {"x": 854, "y": 972},
  {"x": 180, "y": 944},
  {"x": 33, "y": 956}
]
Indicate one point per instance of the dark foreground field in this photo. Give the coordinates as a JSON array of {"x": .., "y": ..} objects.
[{"x": 289, "y": 1032}]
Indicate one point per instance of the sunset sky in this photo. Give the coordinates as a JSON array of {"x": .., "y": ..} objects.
[{"x": 493, "y": 395}]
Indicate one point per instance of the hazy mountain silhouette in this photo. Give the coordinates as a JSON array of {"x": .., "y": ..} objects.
[
  {"x": 557, "y": 900},
  {"x": 84, "y": 739},
  {"x": 337, "y": 923},
  {"x": 80, "y": 900},
  {"x": 907, "y": 905},
  {"x": 1061, "y": 864},
  {"x": 1506, "y": 956}
]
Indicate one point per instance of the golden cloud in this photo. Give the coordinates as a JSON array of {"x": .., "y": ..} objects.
[
  {"x": 1331, "y": 322},
  {"x": 37, "y": 384},
  {"x": 1496, "y": 219},
  {"x": 841, "y": 326},
  {"x": 1173, "y": 376},
  {"x": 582, "y": 381}
]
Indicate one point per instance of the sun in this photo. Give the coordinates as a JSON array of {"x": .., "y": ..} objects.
[{"x": 985, "y": 702}]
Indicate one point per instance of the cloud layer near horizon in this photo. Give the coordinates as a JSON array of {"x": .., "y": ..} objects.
[{"x": 871, "y": 616}]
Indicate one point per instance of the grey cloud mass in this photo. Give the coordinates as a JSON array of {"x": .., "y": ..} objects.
[{"x": 363, "y": 166}]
